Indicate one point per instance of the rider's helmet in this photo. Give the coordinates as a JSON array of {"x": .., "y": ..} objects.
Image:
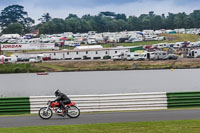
[{"x": 57, "y": 92}]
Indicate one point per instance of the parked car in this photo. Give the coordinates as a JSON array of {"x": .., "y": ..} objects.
[
  {"x": 119, "y": 56},
  {"x": 171, "y": 57}
]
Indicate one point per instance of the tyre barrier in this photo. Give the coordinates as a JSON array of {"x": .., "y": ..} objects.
[
  {"x": 183, "y": 99},
  {"x": 17, "y": 105},
  {"x": 106, "y": 102}
]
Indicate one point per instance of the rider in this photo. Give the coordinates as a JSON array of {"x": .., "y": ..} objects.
[{"x": 62, "y": 99}]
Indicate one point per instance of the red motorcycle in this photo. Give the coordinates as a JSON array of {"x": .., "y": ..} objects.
[{"x": 72, "y": 110}]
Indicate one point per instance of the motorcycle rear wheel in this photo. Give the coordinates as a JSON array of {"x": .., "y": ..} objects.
[{"x": 73, "y": 112}]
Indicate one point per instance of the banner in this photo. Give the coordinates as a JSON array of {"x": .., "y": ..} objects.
[{"x": 14, "y": 47}]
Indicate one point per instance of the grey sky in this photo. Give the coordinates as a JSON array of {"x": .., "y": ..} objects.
[{"x": 61, "y": 8}]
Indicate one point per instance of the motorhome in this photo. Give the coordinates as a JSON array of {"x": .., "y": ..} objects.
[
  {"x": 194, "y": 53},
  {"x": 132, "y": 39},
  {"x": 71, "y": 43},
  {"x": 136, "y": 56},
  {"x": 162, "y": 45},
  {"x": 11, "y": 59},
  {"x": 193, "y": 44},
  {"x": 160, "y": 55},
  {"x": 178, "y": 45},
  {"x": 150, "y": 55},
  {"x": 91, "y": 41}
]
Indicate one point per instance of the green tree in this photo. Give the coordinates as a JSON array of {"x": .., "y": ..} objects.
[
  {"x": 15, "y": 28},
  {"x": 121, "y": 16},
  {"x": 134, "y": 23},
  {"x": 72, "y": 16},
  {"x": 86, "y": 26},
  {"x": 74, "y": 24},
  {"x": 157, "y": 23},
  {"x": 145, "y": 21},
  {"x": 59, "y": 25},
  {"x": 195, "y": 18},
  {"x": 28, "y": 24},
  {"x": 188, "y": 22},
  {"x": 170, "y": 21},
  {"x": 110, "y": 24},
  {"x": 12, "y": 14},
  {"x": 15, "y": 14},
  {"x": 121, "y": 25},
  {"x": 45, "y": 18},
  {"x": 179, "y": 20},
  {"x": 110, "y": 21}
]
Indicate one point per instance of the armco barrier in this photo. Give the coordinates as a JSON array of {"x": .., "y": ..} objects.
[
  {"x": 109, "y": 102},
  {"x": 183, "y": 99},
  {"x": 19, "y": 105}
]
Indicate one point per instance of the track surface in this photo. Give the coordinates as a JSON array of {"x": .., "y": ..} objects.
[{"x": 91, "y": 118}]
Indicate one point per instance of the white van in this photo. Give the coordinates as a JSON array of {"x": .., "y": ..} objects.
[{"x": 36, "y": 58}]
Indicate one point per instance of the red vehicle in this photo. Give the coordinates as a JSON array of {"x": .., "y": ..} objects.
[
  {"x": 47, "y": 112},
  {"x": 42, "y": 73}
]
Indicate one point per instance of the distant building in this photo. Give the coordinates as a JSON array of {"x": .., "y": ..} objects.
[{"x": 36, "y": 32}]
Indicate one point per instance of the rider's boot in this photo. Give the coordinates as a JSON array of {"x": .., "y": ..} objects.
[{"x": 64, "y": 112}]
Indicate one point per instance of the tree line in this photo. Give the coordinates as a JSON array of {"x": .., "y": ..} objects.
[{"x": 13, "y": 19}]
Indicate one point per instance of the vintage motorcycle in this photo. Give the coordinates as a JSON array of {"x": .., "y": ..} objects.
[{"x": 72, "y": 110}]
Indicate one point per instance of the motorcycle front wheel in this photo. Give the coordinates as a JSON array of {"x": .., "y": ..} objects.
[
  {"x": 45, "y": 113},
  {"x": 73, "y": 112}
]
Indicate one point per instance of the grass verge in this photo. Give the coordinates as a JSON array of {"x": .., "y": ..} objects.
[
  {"x": 18, "y": 68},
  {"x": 185, "y": 126},
  {"x": 67, "y": 66}
]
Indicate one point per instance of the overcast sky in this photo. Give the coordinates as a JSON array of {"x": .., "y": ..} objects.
[{"x": 61, "y": 8}]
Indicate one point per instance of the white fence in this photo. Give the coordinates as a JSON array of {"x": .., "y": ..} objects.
[{"x": 109, "y": 102}]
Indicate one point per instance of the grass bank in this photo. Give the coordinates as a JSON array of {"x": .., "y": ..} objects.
[
  {"x": 67, "y": 66},
  {"x": 17, "y": 68},
  {"x": 185, "y": 126},
  {"x": 170, "y": 38}
]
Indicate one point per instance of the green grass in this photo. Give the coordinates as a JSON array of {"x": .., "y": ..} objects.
[
  {"x": 19, "y": 68},
  {"x": 186, "y": 126},
  {"x": 14, "y": 68},
  {"x": 186, "y": 37}
]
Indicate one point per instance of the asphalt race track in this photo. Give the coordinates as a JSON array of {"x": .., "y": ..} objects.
[{"x": 91, "y": 118}]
